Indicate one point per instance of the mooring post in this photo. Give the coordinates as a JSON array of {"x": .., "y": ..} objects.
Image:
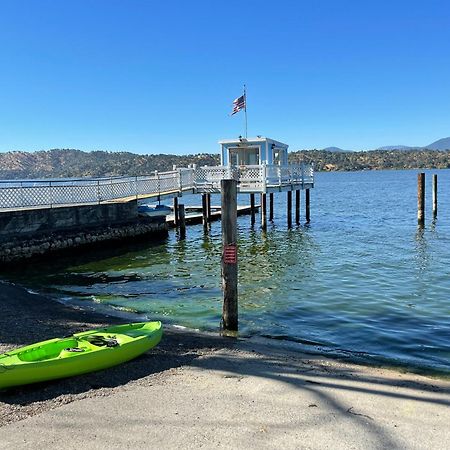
[
  {"x": 182, "y": 221},
  {"x": 204, "y": 211},
  {"x": 263, "y": 211},
  {"x": 297, "y": 206},
  {"x": 435, "y": 200},
  {"x": 421, "y": 198},
  {"x": 175, "y": 211},
  {"x": 307, "y": 201},
  {"x": 252, "y": 208},
  {"x": 229, "y": 255},
  {"x": 271, "y": 206},
  {"x": 208, "y": 207},
  {"x": 289, "y": 209}
]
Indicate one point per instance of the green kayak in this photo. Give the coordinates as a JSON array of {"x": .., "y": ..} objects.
[{"x": 80, "y": 353}]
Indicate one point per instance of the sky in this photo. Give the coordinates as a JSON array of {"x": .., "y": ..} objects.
[{"x": 150, "y": 76}]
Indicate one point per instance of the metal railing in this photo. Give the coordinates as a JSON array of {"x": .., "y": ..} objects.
[{"x": 51, "y": 193}]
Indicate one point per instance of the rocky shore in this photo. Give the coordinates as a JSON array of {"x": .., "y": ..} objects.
[{"x": 19, "y": 249}]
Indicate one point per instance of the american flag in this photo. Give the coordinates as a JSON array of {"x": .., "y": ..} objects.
[{"x": 238, "y": 104}]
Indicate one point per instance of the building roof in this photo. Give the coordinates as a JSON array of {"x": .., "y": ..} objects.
[{"x": 258, "y": 139}]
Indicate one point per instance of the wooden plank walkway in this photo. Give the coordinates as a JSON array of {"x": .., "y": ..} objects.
[{"x": 215, "y": 215}]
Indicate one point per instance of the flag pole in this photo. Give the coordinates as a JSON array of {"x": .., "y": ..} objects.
[{"x": 245, "y": 110}]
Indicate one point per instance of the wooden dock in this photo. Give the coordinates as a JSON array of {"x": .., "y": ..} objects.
[{"x": 215, "y": 214}]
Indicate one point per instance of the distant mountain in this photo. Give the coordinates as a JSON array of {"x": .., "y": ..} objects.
[
  {"x": 396, "y": 147},
  {"x": 334, "y": 149},
  {"x": 441, "y": 144}
]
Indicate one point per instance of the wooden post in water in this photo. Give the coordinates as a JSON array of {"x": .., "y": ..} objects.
[
  {"x": 421, "y": 199},
  {"x": 229, "y": 255},
  {"x": 435, "y": 200},
  {"x": 297, "y": 206},
  {"x": 204, "y": 211},
  {"x": 307, "y": 201},
  {"x": 263, "y": 211},
  {"x": 289, "y": 209},
  {"x": 175, "y": 211},
  {"x": 182, "y": 221},
  {"x": 252, "y": 208},
  {"x": 208, "y": 207},
  {"x": 271, "y": 206}
]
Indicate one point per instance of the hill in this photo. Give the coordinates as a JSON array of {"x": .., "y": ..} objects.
[
  {"x": 373, "y": 160},
  {"x": 441, "y": 144},
  {"x": 397, "y": 147},
  {"x": 75, "y": 163},
  {"x": 68, "y": 163},
  {"x": 335, "y": 149}
]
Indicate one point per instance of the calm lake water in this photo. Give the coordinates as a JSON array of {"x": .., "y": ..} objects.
[{"x": 361, "y": 281}]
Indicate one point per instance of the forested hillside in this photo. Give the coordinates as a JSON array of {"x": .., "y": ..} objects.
[
  {"x": 75, "y": 163},
  {"x": 373, "y": 160}
]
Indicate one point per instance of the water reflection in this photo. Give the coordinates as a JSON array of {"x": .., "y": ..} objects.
[
  {"x": 422, "y": 254},
  {"x": 360, "y": 277}
]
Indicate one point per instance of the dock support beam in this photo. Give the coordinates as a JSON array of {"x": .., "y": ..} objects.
[
  {"x": 271, "y": 206},
  {"x": 182, "y": 221},
  {"x": 307, "y": 207},
  {"x": 297, "y": 206},
  {"x": 435, "y": 200},
  {"x": 421, "y": 199},
  {"x": 289, "y": 209},
  {"x": 252, "y": 208},
  {"x": 208, "y": 208},
  {"x": 229, "y": 255},
  {"x": 175, "y": 211},
  {"x": 263, "y": 211},
  {"x": 204, "y": 211}
]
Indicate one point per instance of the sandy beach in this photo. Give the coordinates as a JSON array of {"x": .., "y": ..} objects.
[{"x": 202, "y": 390}]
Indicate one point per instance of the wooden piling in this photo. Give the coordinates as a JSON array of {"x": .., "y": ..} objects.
[
  {"x": 263, "y": 211},
  {"x": 421, "y": 198},
  {"x": 208, "y": 208},
  {"x": 204, "y": 211},
  {"x": 271, "y": 206},
  {"x": 175, "y": 211},
  {"x": 297, "y": 206},
  {"x": 182, "y": 221},
  {"x": 435, "y": 200},
  {"x": 289, "y": 209},
  {"x": 229, "y": 255},
  {"x": 252, "y": 208},
  {"x": 307, "y": 206}
]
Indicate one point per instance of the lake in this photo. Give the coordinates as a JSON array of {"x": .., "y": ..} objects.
[{"x": 361, "y": 281}]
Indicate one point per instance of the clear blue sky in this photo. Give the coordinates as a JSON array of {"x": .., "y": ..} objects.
[{"x": 160, "y": 76}]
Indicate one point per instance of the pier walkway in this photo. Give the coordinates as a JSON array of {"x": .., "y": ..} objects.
[{"x": 32, "y": 194}]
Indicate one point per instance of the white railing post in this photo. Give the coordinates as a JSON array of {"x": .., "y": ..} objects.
[{"x": 264, "y": 177}]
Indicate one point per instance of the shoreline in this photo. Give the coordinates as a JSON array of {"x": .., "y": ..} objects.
[
  {"x": 205, "y": 381},
  {"x": 312, "y": 349}
]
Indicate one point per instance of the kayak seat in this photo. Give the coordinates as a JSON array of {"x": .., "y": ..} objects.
[{"x": 46, "y": 351}]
